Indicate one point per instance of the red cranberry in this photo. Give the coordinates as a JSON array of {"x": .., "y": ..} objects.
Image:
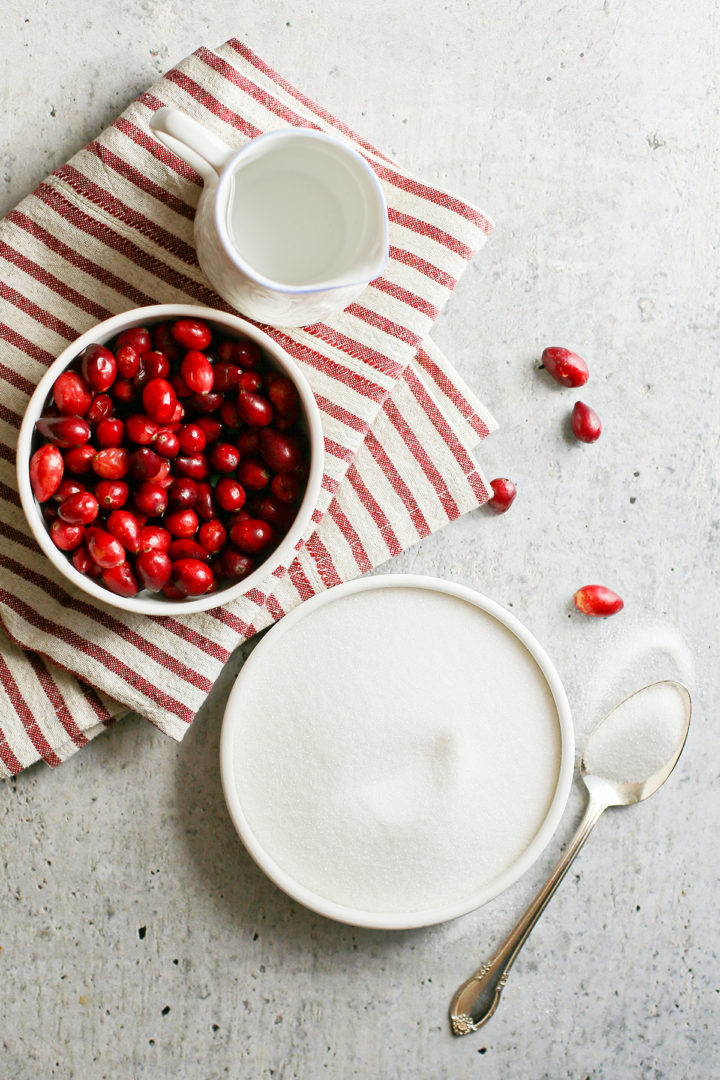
[
  {"x": 66, "y": 536},
  {"x": 253, "y": 474},
  {"x": 194, "y": 465},
  {"x": 191, "y": 438},
  {"x": 104, "y": 549},
  {"x": 182, "y": 523},
  {"x": 191, "y": 333},
  {"x": 166, "y": 443},
  {"x": 153, "y": 568},
  {"x": 251, "y": 381},
  {"x": 111, "y": 463},
  {"x": 279, "y": 515},
  {"x": 210, "y": 427},
  {"x": 212, "y": 535},
  {"x": 67, "y": 487},
  {"x": 83, "y": 563},
  {"x": 247, "y": 354},
  {"x": 284, "y": 398},
  {"x": 227, "y": 376},
  {"x": 46, "y": 471},
  {"x": 191, "y": 577},
  {"x": 280, "y": 451},
  {"x": 150, "y": 498},
  {"x": 154, "y": 538},
  {"x": 504, "y": 492},
  {"x": 564, "y": 366},
  {"x": 98, "y": 368},
  {"x": 123, "y": 391},
  {"x": 586, "y": 424},
  {"x": 224, "y": 457},
  {"x": 164, "y": 341},
  {"x": 229, "y": 494},
  {"x": 136, "y": 337},
  {"x": 597, "y": 601},
  {"x": 143, "y": 463},
  {"x": 111, "y": 494},
  {"x": 79, "y": 509},
  {"x": 235, "y": 564},
  {"x": 102, "y": 406},
  {"x": 79, "y": 460},
  {"x": 121, "y": 580},
  {"x": 141, "y": 429},
  {"x": 251, "y": 536},
  {"x": 183, "y": 493},
  {"x": 153, "y": 365},
  {"x": 248, "y": 442},
  {"x": 110, "y": 432},
  {"x": 64, "y": 431},
  {"x": 72, "y": 394},
  {"x": 254, "y": 409},
  {"x": 197, "y": 371},
  {"x": 186, "y": 548},
  {"x": 159, "y": 400},
  {"x": 128, "y": 361},
  {"x": 205, "y": 506},
  {"x": 124, "y": 527},
  {"x": 230, "y": 414},
  {"x": 285, "y": 487},
  {"x": 205, "y": 403}
]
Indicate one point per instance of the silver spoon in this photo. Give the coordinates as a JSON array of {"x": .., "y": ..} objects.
[{"x": 628, "y": 756}]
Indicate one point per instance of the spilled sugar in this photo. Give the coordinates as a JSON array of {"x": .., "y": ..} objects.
[
  {"x": 396, "y": 751},
  {"x": 639, "y": 737}
]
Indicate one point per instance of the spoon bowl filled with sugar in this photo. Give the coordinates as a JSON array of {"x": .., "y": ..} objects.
[{"x": 629, "y": 755}]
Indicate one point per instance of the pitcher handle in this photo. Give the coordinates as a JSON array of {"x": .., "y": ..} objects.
[{"x": 197, "y": 146}]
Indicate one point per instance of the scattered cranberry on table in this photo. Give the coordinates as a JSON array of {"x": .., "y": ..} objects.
[
  {"x": 586, "y": 424},
  {"x": 170, "y": 459},
  {"x": 597, "y": 601},
  {"x": 504, "y": 492},
  {"x": 565, "y": 367}
]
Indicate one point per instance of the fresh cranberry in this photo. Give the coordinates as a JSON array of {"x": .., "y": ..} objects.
[
  {"x": 79, "y": 509},
  {"x": 504, "y": 492},
  {"x": 46, "y": 471},
  {"x": 235, "y": 564},
  {"x": 205, "y": 403},
  {"x": 247, "y": 354},
  {"x": 284, "y": 398},
  {"x": 83, "y": 563},
  {"x": 64, "y": 431},
  {"x": 254, "y": 409},
  {"x": 80, "y": 459},
  {"x": 127, "y": 359},
  {"x": 227, "y": 376},
  {"x": 230, "y": 414},
  {"x": 586, "y": 424},
  {"x": 150, "y": 498},
  {"x": 564, "y": 366},
  {"x": 159, "y": 400},
  {"x": 104, "y": 549},
  {"x": 68, "y": 486},
  {"x": 154, "y": 538},
  {"x": 248, "y": 442},
  {"x": 98, "y": 368},
  {"x": 102, "y": 406},
  {"x": 193, "y": 465},
  {"x": 251, "y": 536},
  {"x": 210, "y": 427},
  {"x": 191, "y": 333},
  {"x": 197, "y": 371},
  {"x": 110, "y": 432},
  {"x": 143, "y": 463},
  {"x": 121, "y": 580},
  {"x": 205, "y": 506},
  {"x": 72, "y": 394},
  {"x": 285, "y": 487},
  {"x": 141, "y": 429},
  {"x": 164, "y": 341},
  {"x": 153, "y": 568},
  {"x": 184, "y": 547},
  {"x": 124, "y": 527},
  {"x": 223, "y": 457},
  {"x": 136, "y": 337},
  {"x": 597, "y": 601},
  {"x": 166, "y": 443},
  {"x": 181, "y": 523},
  {"x": 191, "y": 438},
  {"x": 191, "y": 577},
  {"x": 111, "y": 494},
  {"x": 212, "y": 535},
  {"x": 66, "y": 536},
  {"x": 229, "y": 494},
  {"x": 250, "y": 381},
  {"x": 253, "y": 474},
  {"x": 181, "y": 388},
  {"x": 279, "y": 515},
  {"x": 111, "y": 463},
  {"x": 281, "y": 452},
  {"x": 183, "y": 493},
  {"x": 123, "y": 391}
]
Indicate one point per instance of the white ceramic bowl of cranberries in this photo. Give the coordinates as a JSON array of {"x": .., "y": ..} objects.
[{"x": 170, "y": 459}]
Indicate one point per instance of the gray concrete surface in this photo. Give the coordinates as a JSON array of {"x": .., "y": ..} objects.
[{"x": 138, "y": 939}]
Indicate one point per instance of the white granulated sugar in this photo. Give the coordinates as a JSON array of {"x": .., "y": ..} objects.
[
  {"x": 395, "y": 751},
  {"x": 640, "y": 737}
]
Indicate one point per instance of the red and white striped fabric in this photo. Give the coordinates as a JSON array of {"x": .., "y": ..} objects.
[{"x": 111, "y": 230}]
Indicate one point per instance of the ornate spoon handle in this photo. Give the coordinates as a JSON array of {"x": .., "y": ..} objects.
[{"x": 478, "y": 998}]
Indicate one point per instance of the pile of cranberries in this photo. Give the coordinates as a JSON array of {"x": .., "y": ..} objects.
[{"x": 172, "y": 460}]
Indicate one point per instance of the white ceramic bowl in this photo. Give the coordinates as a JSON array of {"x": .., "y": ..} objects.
[
  {"x": 231, "y": 326},
  {"x": 247, "y": 733}
]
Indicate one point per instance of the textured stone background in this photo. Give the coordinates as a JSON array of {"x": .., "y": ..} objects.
[{"x": 138, "y": 940}]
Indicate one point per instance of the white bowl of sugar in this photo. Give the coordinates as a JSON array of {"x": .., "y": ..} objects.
[{"x": 397, "y": 751}]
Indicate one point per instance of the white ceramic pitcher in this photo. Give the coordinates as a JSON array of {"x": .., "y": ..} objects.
[{"x": 290, "y": 228}]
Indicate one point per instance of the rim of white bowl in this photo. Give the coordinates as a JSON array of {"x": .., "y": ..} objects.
[
  {"x": 416, "y": 919},
  {"x": 103, "y": 332}
]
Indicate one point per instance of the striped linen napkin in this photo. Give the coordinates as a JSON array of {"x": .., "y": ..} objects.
[{"x": 112, "y": 230}]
